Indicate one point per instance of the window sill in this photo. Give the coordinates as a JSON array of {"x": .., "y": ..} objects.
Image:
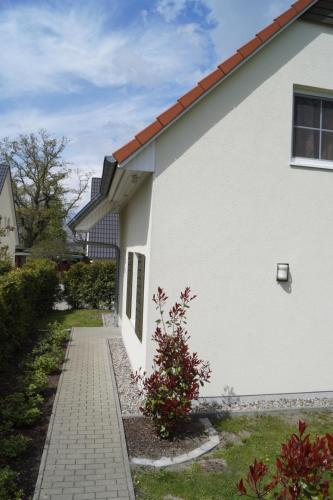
[{"x": 309, "y": 163}]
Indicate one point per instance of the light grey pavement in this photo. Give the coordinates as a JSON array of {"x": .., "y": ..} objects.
[{"x": 85, "y": 454}]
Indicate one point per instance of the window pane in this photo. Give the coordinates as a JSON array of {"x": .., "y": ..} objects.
[
  {"x": 327, "y": 146},
  {"x": 307, "y": 112},
  {"x": 306, "y": 143},
  {"x": 328, "y": 115}
]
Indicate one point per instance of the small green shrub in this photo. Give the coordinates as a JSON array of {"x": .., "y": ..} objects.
[
  {"x": 21, "y": 409},
  {"x": 36, "y": 381},
  {"x": 5, "y": 266},
  {"x": 90, "y": 285},
  {"x": 13, "y": 446},
  {"x": 48, "y": 362},
  {"x": 24, "y": 407},
  {"x": 8, "y": 489}
]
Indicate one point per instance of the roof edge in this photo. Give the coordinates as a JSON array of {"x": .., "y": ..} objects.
[
  {"x": 109, "y": 170},
  {"x": 5, "y": 170},
  {"x": 211, "y": 81}
]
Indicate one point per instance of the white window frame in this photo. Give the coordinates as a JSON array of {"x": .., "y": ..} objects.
[{"x": 298, "y": 161}]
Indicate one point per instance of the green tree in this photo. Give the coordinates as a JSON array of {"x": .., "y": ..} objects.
[
  {"x": 5, "y": 260},
  {"x": 42, "y": 197}
]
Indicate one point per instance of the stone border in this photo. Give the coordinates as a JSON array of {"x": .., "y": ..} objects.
[
  {"x": 207, "y": 446},
  {"x": 42, "y": 464},
  {"x": 121, "y": 426}
]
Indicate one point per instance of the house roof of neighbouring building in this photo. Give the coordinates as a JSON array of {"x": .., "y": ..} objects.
[
  {"x": 4, "y": 169},
  {"x": 106, "y": 231},
  {"x": 322, "y": 11}
]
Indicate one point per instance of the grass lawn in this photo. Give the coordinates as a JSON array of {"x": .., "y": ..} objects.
[
  {"x": 266, "y": 435},
  {"x": 75, "y": 317}
]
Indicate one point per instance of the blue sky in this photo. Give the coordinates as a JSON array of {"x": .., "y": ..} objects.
[{"x": 97, "y": 71}]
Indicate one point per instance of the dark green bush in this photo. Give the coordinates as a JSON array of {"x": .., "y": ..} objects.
[
  {"x": 8, "y": 489},
  {"x": 21, "y": 408},
  {"x": 14, "y": 446},
  {"x": 90, "y": 285},
  {"x": 45, "y": 358},
  {"x": 5, "y": 266},
  {"x": 26, "y": 295}
]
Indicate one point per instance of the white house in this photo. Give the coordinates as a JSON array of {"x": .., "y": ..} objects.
[
  {"x": 7, "y": 210},
  {"x": 232, "y": 180}
]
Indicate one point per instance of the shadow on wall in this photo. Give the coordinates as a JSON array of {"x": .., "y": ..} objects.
[
  {"x": 236, "y": 89},
  {"x": 134, "y": 219},
  {"x": 286, "y": 285}
]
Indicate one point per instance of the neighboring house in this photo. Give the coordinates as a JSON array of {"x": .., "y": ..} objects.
[
  {"x": 106, "y": 231},
  {"x": 7, "y": 210},
  {"x": 233, "y": 179}
]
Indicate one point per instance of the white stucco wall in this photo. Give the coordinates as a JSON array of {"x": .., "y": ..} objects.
[
  {"x": 135, "y": 224},
  {"x": 7, "y": 211},
  {"x": 227, "y": 207}
]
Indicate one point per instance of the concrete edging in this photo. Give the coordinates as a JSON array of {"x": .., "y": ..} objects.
[
  {"x": 207, "y": 446},
  {"x": 121, "y": 426}
]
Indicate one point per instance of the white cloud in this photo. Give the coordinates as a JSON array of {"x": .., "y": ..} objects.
[
  {"x": 94, "y": 130},
  {"x": 170, "y": 9},
  {"x": 234, "y": 22},
  {"x": 57, "y": 50},
  {"x": 275, "y": 8}
]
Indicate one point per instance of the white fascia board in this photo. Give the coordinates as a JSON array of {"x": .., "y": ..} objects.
[
  {"x": 128, "y": 184},
  {"x": 94, "y": 216},
  {"x": 143, "y": 160},
  {"x": 128, "y": 177}
]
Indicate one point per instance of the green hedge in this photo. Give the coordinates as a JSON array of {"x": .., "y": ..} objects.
[
  {"x": 90, "y": 285},
  {"x": 26, "y": 295},
  {"x": 22, "y": 409}
]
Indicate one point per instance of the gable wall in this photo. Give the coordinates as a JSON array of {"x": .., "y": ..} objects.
[
  {"x": 227, "y": 207},
  {"x": 7, "y": 211}
]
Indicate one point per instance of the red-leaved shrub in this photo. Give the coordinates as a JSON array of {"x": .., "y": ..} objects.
[
  {"x": 177, "y": 373},
  {"x": 303, "y": 470}
]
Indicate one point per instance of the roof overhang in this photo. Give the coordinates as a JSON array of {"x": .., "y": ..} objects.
[{"x": 118, "y": 184}]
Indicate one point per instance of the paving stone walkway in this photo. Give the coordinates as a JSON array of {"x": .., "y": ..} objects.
[{"x": 85, "y": 454}]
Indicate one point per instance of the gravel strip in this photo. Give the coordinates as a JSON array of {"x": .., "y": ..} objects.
[
  {"x": 264, "y": 405},
  {"x": 130, "y": 399}
]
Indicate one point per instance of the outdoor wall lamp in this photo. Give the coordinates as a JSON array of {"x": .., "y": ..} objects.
[{"x": 282, "y": 272}]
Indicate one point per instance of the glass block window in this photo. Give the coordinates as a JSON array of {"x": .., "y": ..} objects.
[
  {"x": 140, "y": 286},
  {"x": 129, "y": 284}
]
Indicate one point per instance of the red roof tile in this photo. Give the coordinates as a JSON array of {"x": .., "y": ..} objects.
[
  {"x": 286, "y": 17},
  {"x": 191, "y": 96},
  {"x": 125, "y": 151},
  {"x": 269, "y": 31},
  {"x": 301, "y": 5},
  {"x": 149, "y": 132},
  {"x": 210, "y": 80},
  {"x": 250, "y": 47},
  {"x": 231, "y": 63},
  {"x": 170, "y": 114}
]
